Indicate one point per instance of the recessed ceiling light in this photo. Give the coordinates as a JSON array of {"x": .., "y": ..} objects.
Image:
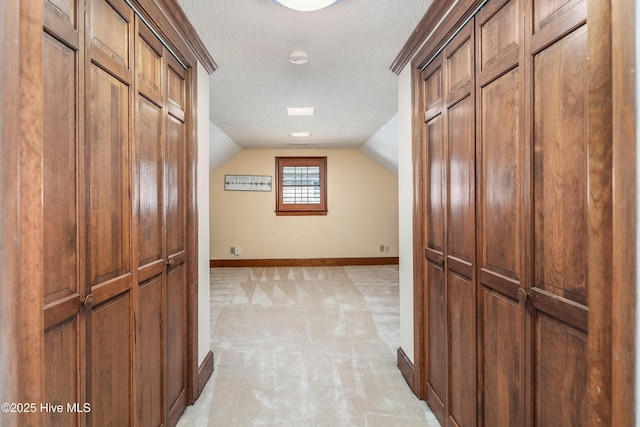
[
  {"x": 305, "y": 5},
  {"x": 300, "y": 134},
  {"x": 300, "y": 111}
]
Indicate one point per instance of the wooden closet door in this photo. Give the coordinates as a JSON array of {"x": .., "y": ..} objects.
[
  {"x": 63, "y": 203},
  {"x": 561, "y": 163},
  {"x": 150, "y": 229},
  {"x": 500, "y": 222},
  {"x": 450, "y": 252},
  {"x": 109, "y": 262},
  {"x": 435, "y": 240},
  {"x": 175, "y": 228},
  {"x": 460, "y": 231}
]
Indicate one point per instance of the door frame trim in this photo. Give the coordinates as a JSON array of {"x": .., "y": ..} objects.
[
  {"x": 625, "y": 205},
  {"x": 21, "y": 217}
]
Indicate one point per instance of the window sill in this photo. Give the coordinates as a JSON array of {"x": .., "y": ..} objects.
[{"x": 301, "y": 213}]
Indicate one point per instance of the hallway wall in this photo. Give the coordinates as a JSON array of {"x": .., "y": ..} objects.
[
  {"x": 362, "y": 200},
  {"x": 405, "y": 205},
  {"x": 202, "y": 188}
]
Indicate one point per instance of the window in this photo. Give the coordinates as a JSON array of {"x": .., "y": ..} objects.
[{"x": 302, "y": 186}]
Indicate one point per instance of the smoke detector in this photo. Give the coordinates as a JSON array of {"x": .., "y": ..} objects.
[{"x": 298, "y": 57}]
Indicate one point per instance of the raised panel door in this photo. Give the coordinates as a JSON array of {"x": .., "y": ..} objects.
[
  {"x": 151, "y": 405},
  {"x": 150, "y": 227},
  {"x": 502, "y": 371},
  {"x": 62, "y": 58},
  {"x": 437, "y": 341},
  {"x": 110, "y": 262},
  {"x": 110, "y": 363},
  {"x": 176, "y": 246},
  {"x": 560, "y": 212},
  {"x": 435, "y": 240},
  {"x": 500, "y": 244},
  {"x": 500, "y": 219},
  {"x": 176, "y": 339},
  {"x": 460, "y": 232}
]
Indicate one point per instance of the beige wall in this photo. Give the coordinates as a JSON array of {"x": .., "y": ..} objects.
[{"x": 362, "y": 199}]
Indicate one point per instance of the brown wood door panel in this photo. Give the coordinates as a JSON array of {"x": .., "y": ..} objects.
[
  {"x": 461, "y": 325},
  {"x": 60, "y": 169},
  {"x": 176, "y": 341},
  {"x": 459, "y": 66},
  {"x": 500, "y": 189},
  {"x": 175, "y": 186},
  {"x": 550, "y": 12},
  {"x": 110, "y": 30},
  {"x": 500, "y": 220},
  {"x": 110, "y": 260},
  {"x": 150, "y": 228},
  {"x": 61, "y": 22},
  {"x": 437, "y": 340},
  {"x": 110, "y": 363},
  {"x": 65, "y": 10},
  {"x": 560, "y": 183},
  {"x": 560, "y": 212},
  {"x": 434, "y": 175},
  {"x": 502, "y": 345},
  {"x": 435, "y": 293},
  {"x": 560, "y": 379},
  {"x": 149, "y": 64},
  {"x": 176, "y": 89},
  {"x": 151, "y": 404},
  {"x": 150, "y": 181},
  {"x": 63, "y": 371},
  {"x": 498, "y": 38},
  {"x": 433, "y": 89},
  {"x": 108, "y": 169},
  {"x": 460, "y": 231},
  {"x": 62, "y": 189},
  {"x": 460, "y": 182},
  {"x": 176, "y": 245}
]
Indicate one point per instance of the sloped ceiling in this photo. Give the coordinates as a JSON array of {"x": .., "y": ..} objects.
[{"x": 347, "y": 79}]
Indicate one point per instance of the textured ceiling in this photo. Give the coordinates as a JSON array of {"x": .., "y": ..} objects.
[{"x": 347, "y": 78}]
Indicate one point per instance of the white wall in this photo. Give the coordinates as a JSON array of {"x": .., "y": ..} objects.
[
  {"x": 383, "y": 146},
  {"x": 405, "y": 211},
  {"x": 202, "y": 189},
  {"x": 225, "y": 147}
]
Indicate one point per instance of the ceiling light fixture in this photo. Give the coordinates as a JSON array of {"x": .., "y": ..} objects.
[
  {"x": 300, "y": 134},
  {"x": 305, "y": 5},
  {"x": 300, "y": 111}
]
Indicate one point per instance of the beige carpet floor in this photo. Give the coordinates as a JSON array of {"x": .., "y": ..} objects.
[{"x": 301, "y": 346}]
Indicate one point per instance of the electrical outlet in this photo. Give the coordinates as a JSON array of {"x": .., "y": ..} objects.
[
  {"x": 386, "y": 248},
  {"x": 381, "y": 248},
  {"x": 236, "y": 251}
]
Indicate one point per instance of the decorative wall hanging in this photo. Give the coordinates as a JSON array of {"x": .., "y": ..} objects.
[{"x": 247, "y": 183}]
